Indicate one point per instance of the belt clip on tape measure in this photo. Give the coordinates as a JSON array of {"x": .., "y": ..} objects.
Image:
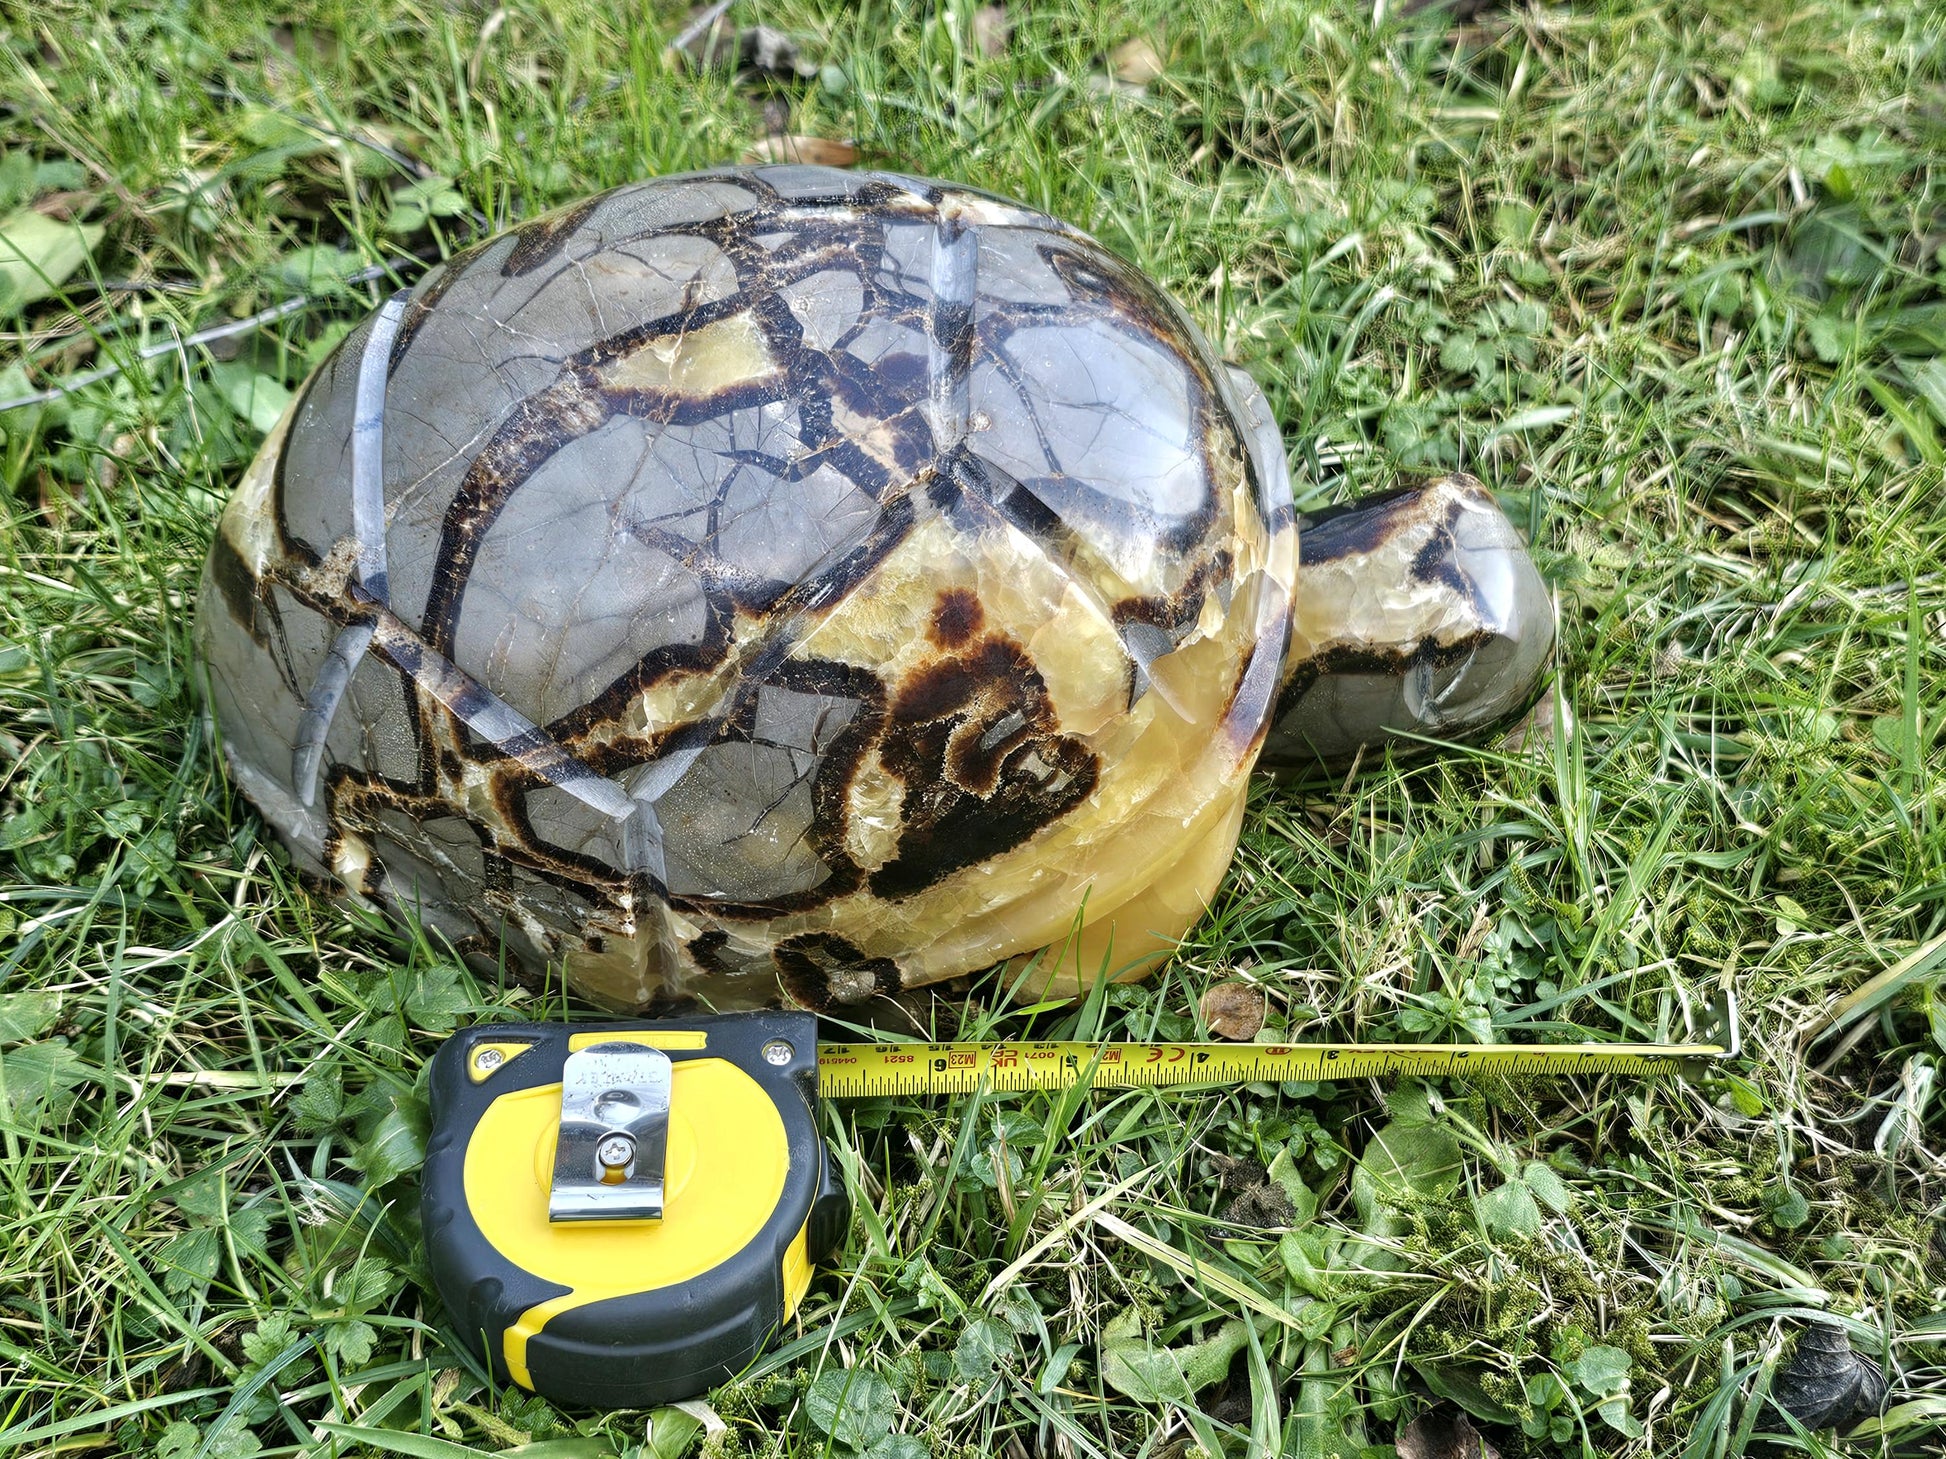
[{"x": 623, "y": 1215}]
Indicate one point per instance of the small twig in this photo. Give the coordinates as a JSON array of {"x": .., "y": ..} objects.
[
  {"x": 697, "y": 26},
  {"x": 150, "y": 352},
  {"x": 171, "y": 346}
]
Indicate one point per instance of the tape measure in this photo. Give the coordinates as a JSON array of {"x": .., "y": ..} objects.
[{"x": 624, "y": 1214}]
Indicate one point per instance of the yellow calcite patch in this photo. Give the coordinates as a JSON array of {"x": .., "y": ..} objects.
[
  {"x": 626, "y": 973},
  {"x": 1140, "y": 858},
  {"x": 670, "y": 701},
  {"x": 878, "y": 437},
  {"x": 1126, "y": 942},
  {"x": 351, "y": 859},
  {"x": 1022, "y": 594},
  {"x": 1376, "y": 599},
  {"x": 873, "y": 803},
  {"x": 698, "y": 362},
  {"x": 249, "y": 521}
]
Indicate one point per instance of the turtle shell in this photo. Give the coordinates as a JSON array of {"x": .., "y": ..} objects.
[{"x": 764, "y": 583}]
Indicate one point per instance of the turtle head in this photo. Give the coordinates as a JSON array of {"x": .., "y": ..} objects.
[{"x": 1419, "y": 616}]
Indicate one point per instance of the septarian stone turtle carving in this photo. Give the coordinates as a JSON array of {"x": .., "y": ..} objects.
[{"x": 797, "y": 583}]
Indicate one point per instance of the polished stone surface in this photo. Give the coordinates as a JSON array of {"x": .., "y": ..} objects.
[{"x": 776, "y": 579}]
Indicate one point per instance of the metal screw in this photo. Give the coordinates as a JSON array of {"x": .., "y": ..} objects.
[
  {"x": 615, "y": 1151},
  {"x": 778, "y": 1052},
  {"x": 487, "y": 1060}
]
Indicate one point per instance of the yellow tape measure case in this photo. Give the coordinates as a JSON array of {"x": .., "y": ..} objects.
[{"x": 624, "y": 1214}]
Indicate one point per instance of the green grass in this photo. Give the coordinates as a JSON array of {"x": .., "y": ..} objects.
[{"x": 1672, "y": 278}]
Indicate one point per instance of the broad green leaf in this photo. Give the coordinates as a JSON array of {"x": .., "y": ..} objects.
[
  {"x": 271, "y": 1337},
  {"x": 1410, "y": 1103},
  {"x": 1460, "y": 352},
  {"x": 1602, "y": 1370},
  {"x": 16, "y": 178},
  {"x": 1460, "y": 1384},
  {"x": 1514, "y": 222},
  {"x": 257, "y": 398},
  {"x": 27, "y": 1015},
  {"x": 39, "y": 254},
  {"x": 1829, "y": 337},
  {"x": 18, "y": 424},
  {"x": 1305, "y": 1260},
  {"x": 1509, "y": 1211},
  {"x": 37, "y": 1082},
  {"x": 234, "y": 1441},
  {"x": 413, "y": 206},
  {"x": 397, "y": 1144},
  {"x": 265, "y": 128},
  {"x": 59, "y": 174},
  {"x": 1316, "y": 1320},
  {"x": 1615, "y": 1414},
  {"x": 435, "y": 998},
  {"x": 23, "y": 826},
  {"x": 351, "y": 1342},
  {"x": 1745, "y": 1096},
  {"x": 1324, "y": 1420},
  {"x": 1548, "y": 1187},
  {"x": 671, "y": 1433},
  {"x": 1304, "y": 1201},
  {"x": 319, "y": 270},
  {"x": 1786, "y": 1207},
  {"x": 320, "y": 1101},
  {"x": 1056, "y": 1371},
  {"x": 189, "y": 1260},
  {"x": 1928, "y": 377},
  {"x": 1135, "y": 1368},
  {"x": 980, "y": 1349},
  {"x": 1890, "y": 731},
  {"x": 1405, "y": 1162},
  {"x": 853, "y": 1405}
]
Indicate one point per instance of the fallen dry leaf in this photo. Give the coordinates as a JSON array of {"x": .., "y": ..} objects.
[
  {"x": 63, "y": 206},
  {"x": 991, "y": 29},
  {"x": 1827, "y": 1385},
  {"x": 1234, "y": 1011},
  {"x": 1441, "y": 1435},
  {"x": 1535, "y": 731},
  {"x": 818, "y": 151},
  {"x": 108, "y": 468},
  {"x": 1136, "y": 61}
]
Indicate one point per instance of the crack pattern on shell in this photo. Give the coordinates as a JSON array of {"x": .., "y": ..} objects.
[{"x": 793, "y": 580}]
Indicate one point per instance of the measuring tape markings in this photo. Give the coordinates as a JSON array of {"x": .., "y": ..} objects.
[{"x": 853, "y": 1071}]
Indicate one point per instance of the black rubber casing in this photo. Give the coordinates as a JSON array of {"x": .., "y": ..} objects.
[{"x": 658, "y": 1346}]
